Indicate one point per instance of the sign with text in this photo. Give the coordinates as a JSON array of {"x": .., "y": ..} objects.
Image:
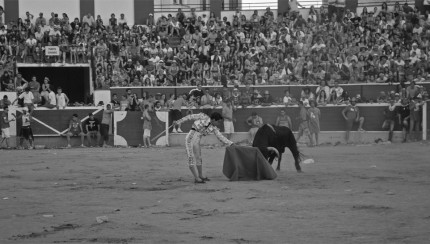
[{"x": 52, "y": 51}]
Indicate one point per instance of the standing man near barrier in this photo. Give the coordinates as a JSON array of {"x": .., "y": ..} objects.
[
  {"x": 104, "y": 127},
  {"x": 176, "y": 112},
  {"x": 4, "y": 125},
  {"x": 93, "y": 129},
  {"x": 403, "y": 114},
  {"x": 351, "y": 113},
  {"x": 304, "y": 123},
  {"x": 227, "y": 114},
  {"x": 390, "y": 114},
  {"x": 26, "y": 133}
]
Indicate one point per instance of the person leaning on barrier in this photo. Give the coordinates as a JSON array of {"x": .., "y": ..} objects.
[{"x": 351, "y": 114}]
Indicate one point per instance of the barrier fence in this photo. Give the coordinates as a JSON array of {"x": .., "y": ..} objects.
[
  {"x": 367, "y": 91},
  {"x": 127, "y": 127}
]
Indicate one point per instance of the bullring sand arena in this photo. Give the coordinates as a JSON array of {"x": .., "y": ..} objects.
[{"x": 351, "y": 194}]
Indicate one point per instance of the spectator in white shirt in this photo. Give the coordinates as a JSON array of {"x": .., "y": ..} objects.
[
  {"x": 122, "y": 20},
  {"x": 3, "y": 31},
  {"x": 319, "y": 45},
  {"x": 89, "y": 19},
  {"x": 30, "y": 45},
  {"x": 28, "y": 98},
  {"x": 52, "y": 100}
]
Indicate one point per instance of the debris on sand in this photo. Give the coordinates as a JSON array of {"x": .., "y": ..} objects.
[
  {"x": 373, "y": 208},
  {"x": 102, "y": 219},
  {"x": 309, "y": 161},
  {"x": 46, "y": 232},
  {"x": 48, "y": 216}
]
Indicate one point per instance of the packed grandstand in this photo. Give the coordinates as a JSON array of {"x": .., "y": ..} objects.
[{"x": 379, "y": 45}]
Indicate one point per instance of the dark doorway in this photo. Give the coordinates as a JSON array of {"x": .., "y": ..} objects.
[{"x": 75, "y": 81}]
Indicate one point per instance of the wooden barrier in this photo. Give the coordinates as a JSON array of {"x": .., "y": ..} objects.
[{"x": 368, "y": 91}]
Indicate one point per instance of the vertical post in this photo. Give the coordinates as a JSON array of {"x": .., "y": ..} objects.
[
  {"x": 425, "y": 121},
  {"x": 86, "y": 6},
  {"x": 216, "y": 7},
  {"x": 167, "y": 128},
  {"x": 142, "y": 9},
  {"x": 282, "y": 6}
]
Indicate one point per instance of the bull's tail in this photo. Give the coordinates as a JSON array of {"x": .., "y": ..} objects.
[{"x": 298, "y": 156}]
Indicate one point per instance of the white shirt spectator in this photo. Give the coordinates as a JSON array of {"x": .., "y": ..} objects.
[
  {"x": 318, "y": 46},
  {"x": 122, "y": 21},
  {"x": 54, "y": 32},
  {"x": 52, "y": 98},
  {"x": 61, "y": 100},
  {"x": 28, "y": 97},
  {"x": 89, "y": 19},
  {"x": 31, "y": 42}
]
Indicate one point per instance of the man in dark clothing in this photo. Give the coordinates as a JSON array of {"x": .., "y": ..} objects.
[{"x": 390, "y": 114}]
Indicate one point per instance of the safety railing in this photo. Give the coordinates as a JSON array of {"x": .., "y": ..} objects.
[{"x": 185, "y": 5}]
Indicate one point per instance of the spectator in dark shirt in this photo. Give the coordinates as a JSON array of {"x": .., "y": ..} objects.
[
  {"x": 267, "y": 99},
  {"x": 390, "y": 114}
]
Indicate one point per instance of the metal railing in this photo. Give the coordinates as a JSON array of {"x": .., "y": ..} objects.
[
  {"x": 159, "y": 6},
  {"x": 204, "y": 5},
  {"x": 389, "y": 3}
]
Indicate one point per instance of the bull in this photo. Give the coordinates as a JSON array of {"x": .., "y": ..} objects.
[{"x": 272, "y": 140}]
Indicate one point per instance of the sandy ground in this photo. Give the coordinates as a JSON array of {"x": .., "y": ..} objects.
[{"x": 351, "y": 194}]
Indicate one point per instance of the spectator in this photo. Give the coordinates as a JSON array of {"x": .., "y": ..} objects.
[
  {"x": 62, "y": 99},
  {"x": 415, "y": 108},
  {"x": 28, "y": 98},
  {"x": 314, "y": 115},
  {"x": 115, "y": 102},
  {"x": 207, "y": 100},
  {"x": 75, "y": 129},
  {"x": 5, "y": 102},
  {"x": 89, "y": 19},
  {"x": 147, "y": 126},
  {"x": 5, "y": 125},
  {"x": 383, "y": 98},
  {"x": 412, "y": 90},
  {"x": 227, "y": 113},
  {"x": 287, "y": 100},
  {"x": 304, "y": 123},
  {"x": 104, "y": 127},
  {"x": 322, "y": 98},
  {"x": 176, "y": 112},
  {"x": 93, "y": 129},
  {"x": 26, "y": 133},
  {"x": 51, "y": 102},
  {"x": 267, "y": 99},
  {"x": 124, "y": 103},
  {"x": 40, "y": 20},
  {"x": 35, "y": 90},
  {"x": 197, "y": 92},
  {"x": 45, "y": 93},
  {"x": 235, "y": 97},
  {"x": 403, "y": 113},
  {"x": 255, "y": 122},
  {"x": 284, "y": 120},
  {"x": 351, "y": 114},
  {"x": 390, "y": 114}
]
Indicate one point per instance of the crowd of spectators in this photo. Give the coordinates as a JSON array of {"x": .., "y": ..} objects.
[
  {"x": 383, "y": 45},
  {"x": 328, "y": 48}
]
